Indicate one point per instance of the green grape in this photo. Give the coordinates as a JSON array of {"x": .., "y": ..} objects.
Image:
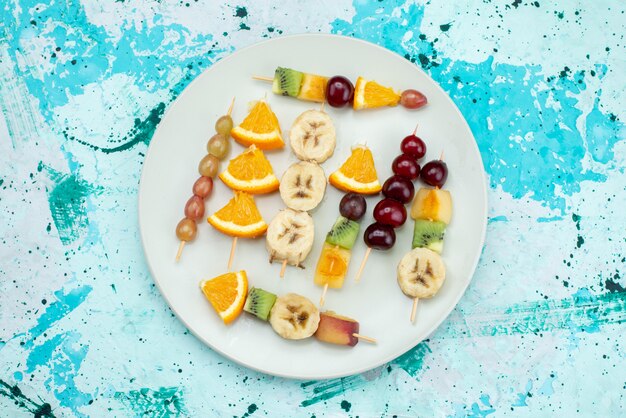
[
  {"x": 218, "y": 145},
  {"x": 208, "y": 166},
  {"x": 224, "y": 125}
]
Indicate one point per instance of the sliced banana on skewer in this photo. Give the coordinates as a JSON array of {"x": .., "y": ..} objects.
[
  {"x": 312, "y": 136},
  {"x": 294, "y": 317},
  {"x": 421, "y": 273},
  {"x": 290, "y": 236},
  {"x": 303, "y": 185}
]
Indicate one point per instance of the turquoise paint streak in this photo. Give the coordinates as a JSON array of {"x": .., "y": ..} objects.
[
  {"x": 66, "y": 302},
  {"x": 159, "y": 403},
  {"x": 63, "y": 355},
  {"x": 521, "y": 108}
]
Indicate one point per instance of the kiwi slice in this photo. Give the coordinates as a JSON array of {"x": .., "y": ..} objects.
[
  {"x": 287, "y": 82},
  {"x": 259, "y": 303},
  {"x": 429, "y": 234},
  {"x": 343, "y": 233}
]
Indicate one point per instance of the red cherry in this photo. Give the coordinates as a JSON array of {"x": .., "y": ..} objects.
[
  {"x": 390, "y": 212},
  {"x": 435, "y": 173},
  {"x": 399, "y": 188},
  {"x": 414, "y": 146},
  {"x": 405, "y": 165}
]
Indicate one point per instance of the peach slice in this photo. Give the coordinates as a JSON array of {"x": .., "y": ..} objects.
[
  {"x": 332, "y": 266},
  {"x": 433, "y": 205},
  {"x": 337, "y": 329}
]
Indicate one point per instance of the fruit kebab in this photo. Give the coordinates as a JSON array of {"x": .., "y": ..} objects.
[
  {"x": 217, "y": 148},
  {"x": 291, "y": 316},
  {"x": 398, "y": 190},
  {"x": 334, "y": 260},
  {"x": 239, "y": 218},
  {"x": 339, "y": 91},
  {"x": 421, "y": 272},
  {"x": 290, "y": 234}
]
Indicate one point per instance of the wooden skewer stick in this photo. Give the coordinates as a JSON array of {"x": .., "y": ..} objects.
[
  {"x": 323, "y": 297},
  {"x": 441, "y": 156},
  {"x": 365, "y": 338},
  {"x": 180, "y": 250},
  {"x": 415, "y": 130},
  {"x": 360, "y": 272},
  {"x": 283, "y": 268},
  {"x": 414, "y": 309},
  {"x": 182, "y": 243},
  {"x": 232, "y": 253},
  {"x": 262, "y": 78},
  {"x": 322, "y": 106}
]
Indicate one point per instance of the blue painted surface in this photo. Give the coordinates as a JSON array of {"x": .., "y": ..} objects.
[{"x": 83, "y": 331}]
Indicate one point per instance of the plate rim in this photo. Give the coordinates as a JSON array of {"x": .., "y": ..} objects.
[{"x": 378, "y": 362}]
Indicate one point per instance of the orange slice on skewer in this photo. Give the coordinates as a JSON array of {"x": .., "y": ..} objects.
[
  {"x": 227, "y": 294},
  {"x": 369, "y": 94},
  {"x": 250, "y": 172},
  {"x": 260, "y": 128},
  {"x": 358, "y": 173},
  {"x": 239, "y": 218}
]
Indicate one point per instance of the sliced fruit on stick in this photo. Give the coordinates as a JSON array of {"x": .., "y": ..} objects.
[
  {"x": 239, "y": 218},
  {"x": 343, "y": 233},
  {"x": 260, "y": 128},
  {"x": 250, "y": 172},
  {"x": 259, "y": 303},
  {"x": 420, "y": 273},
  {"x": 304, "y": 86},
  {"x": 227, "y": 294},
  {"x": 294, "y": 317},
  {"x": 338, "y": 329},
  {"x": 369, "y": 94},
  {"x": 432, "y": 204},
  {"x": 290, "y": 236},
  {"x": 303, "y": 185},
  {"x": 312, "y": 136},
  {"x": 332, "y": 266},
  {"x": 358, "y": 173},
  {"x": 429, "y": 234}
]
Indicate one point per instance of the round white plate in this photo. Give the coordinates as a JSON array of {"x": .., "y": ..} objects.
[{"x": 170, "y": 168}]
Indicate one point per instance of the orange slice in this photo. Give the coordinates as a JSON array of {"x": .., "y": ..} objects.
[
  {"x": 239, "y": 218},
  {"x": 227, "y": 293},
  {"x": 260, "y": 127},
  {"x": 250, "y": 172},
  {"x": 358, "y": 173},
  {"x": 368, "y": 94}
]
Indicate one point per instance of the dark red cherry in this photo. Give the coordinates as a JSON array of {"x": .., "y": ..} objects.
[
  {"x": 390, "y": 212},
  {"x": 435, "y": 173},
  {"x": 413, "y": 146},
  {"x": 399, "y": 188},
  {"x": 339, "y": 91},
  {"x": 379, "y": 236},
  {"x": 352, "y": 206},
  {"x": 405, "y": 165}
]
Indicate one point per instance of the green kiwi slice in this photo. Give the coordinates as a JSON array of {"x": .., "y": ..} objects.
[
  {"x": 344, "y": 233},
  {"x": 259, "y": 303},
  {"x": 429, "y": 234},
  {"x": 287, "y": 82}
]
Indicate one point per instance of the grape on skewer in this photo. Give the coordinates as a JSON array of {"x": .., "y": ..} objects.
[{"x": 217, "y": 148}]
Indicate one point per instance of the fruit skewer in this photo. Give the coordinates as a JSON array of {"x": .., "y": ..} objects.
[
  {"x": 421, "y": 272},
  {"x": 302, "y": 187},
  {"x": 332, "y": 265},
  {"x": 398, "y": 190},
  {"x": 291, "y": 316},
  {"x": 217, "y": 148},
  {"x": 339, "y": 91}
]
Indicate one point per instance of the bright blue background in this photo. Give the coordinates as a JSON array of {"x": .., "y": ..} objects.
[{"x": 83, "y": 331}]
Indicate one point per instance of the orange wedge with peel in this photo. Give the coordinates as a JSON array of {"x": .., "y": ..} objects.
[
  {"x": 369, "y": 94},
  {"x": 260, "y": 128},
  {"x": 250, "y": 172},
  {"x": 358, "y": 173},
  {"x": 227, "y": 294},
  {"x": 239, "y": 218}
]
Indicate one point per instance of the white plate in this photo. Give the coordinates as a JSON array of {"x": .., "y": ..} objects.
[{"x": 376, "y": 302}]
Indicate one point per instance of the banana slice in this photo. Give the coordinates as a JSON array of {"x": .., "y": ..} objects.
[
  {"x": 290, "y": 236},
  {"x": 303, "y": 185},
  {"x": 421, "y": 273},
  {"x": 312, "y": 136},
  {"x": 294, "y": 317}
]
